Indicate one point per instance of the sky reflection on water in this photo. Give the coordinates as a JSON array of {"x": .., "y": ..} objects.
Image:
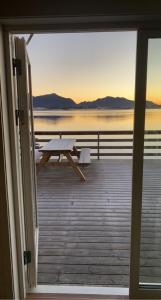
[{"x": 93, "y": 120}]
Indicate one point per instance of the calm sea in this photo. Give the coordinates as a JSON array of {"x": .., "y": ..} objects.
[
  {"x": 59, "y": 120},
  {"x": 85, "y": 120}
]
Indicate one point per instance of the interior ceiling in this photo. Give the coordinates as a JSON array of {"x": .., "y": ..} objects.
[{"x": 61, "y": 8}]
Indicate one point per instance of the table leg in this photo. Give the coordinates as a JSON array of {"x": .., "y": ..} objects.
[
  {"x": 76, "y": 152},
  {"x": 43, "y": 160},
  {"x": 60, "y": 157},
  {"x": 74, "y": 166}
]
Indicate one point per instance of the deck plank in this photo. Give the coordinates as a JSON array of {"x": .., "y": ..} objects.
[{"x": 84, "y": 227}]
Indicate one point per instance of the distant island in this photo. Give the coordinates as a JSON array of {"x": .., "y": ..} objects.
[{"x": 54, "y": 101}]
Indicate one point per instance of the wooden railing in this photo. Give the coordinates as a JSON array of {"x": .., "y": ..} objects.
[{"x": 106, "y": 143}]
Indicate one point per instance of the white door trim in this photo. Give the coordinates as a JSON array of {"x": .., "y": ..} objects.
[{"x": 56, "y": 28}]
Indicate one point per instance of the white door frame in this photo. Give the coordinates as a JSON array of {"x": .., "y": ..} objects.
[
  {"x": 25, "y": 288},
  {"x": 138, "y": 148},
  {"x": 138, "y": 291}
]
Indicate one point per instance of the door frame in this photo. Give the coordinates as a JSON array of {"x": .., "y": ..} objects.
[
  {"x": 8, "y": 284},
  {"x": 140, "y": 291},
  {"x": 61, "y": 27}
]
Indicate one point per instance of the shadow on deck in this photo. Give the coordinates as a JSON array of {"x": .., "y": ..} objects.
[{"x": 84, "y": 227}]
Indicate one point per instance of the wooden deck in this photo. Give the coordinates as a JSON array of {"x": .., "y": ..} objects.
[{"x": 84, "y": 227}]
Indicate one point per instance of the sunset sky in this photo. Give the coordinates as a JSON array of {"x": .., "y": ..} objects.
[
  {"x": 154, "y": 71},
  {"x": 87, "y": 66}
]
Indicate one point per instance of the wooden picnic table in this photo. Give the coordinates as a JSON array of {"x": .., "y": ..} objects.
[{"x": 62, "y": 147}]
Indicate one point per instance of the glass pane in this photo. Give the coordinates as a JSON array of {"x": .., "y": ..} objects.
[{"x": 150, "y": 259}]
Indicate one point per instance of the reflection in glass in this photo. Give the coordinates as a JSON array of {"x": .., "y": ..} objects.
[{"x": 150, "y": 258}]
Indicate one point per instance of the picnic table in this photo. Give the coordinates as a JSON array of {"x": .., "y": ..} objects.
[{"x": 62, "y": 147}]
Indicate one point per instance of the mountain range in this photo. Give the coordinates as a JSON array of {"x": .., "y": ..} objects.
[{"x": 54, "y": 101}]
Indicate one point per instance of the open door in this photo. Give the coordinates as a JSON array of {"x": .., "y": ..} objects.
[{"x": 24, "y": 122}]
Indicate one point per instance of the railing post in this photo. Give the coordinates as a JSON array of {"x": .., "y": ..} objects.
[
  {"x": 60, "y": 135},
  {"x": 98, "y": 146}
]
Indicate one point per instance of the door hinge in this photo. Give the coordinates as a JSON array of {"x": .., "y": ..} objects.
[
  {"x": 27, "y": 257},
  {"x": 19, "y": 117},
  {"x": 17, "y": 66}
]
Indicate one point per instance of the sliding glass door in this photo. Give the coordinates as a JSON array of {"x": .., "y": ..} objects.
[{"x": 146, "y": 207}]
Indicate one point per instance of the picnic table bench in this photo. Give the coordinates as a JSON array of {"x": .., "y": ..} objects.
[{"x": 64, "y": 147}]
